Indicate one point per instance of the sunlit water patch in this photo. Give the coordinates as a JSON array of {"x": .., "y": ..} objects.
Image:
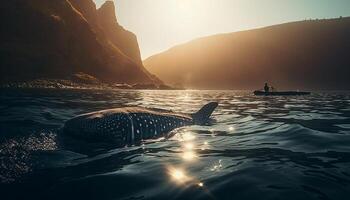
[{"x": 255, "y": 148}]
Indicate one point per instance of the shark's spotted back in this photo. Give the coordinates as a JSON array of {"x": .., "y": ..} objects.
[{"x": 131, "y": 125}]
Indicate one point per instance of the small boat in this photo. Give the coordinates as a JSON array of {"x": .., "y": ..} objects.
[{"x": 281, "y": 93}]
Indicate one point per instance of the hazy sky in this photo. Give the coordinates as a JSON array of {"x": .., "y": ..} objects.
[{"x": 161, "y": 24}]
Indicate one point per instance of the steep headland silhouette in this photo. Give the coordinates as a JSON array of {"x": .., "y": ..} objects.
[
  {"x": 310, "y": 54},
  {"x": 55, "y": 39}
]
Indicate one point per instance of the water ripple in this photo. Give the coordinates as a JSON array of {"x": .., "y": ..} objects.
[{"x": 256, "y": 147}]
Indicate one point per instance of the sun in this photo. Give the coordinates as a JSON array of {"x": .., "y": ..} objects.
[{"x": 184, "y": 5}]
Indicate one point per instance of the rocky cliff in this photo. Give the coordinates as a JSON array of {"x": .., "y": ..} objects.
[
  {"x": 120, "y": 37},
  {"x": 54, "y": 39},
  {"x": 312, "y": 54}
]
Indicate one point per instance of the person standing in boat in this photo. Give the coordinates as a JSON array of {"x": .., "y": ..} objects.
[{"x": 266, "y": 88}]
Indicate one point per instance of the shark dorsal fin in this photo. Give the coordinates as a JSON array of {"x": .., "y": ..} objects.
[{"x": 204, "y": 113}]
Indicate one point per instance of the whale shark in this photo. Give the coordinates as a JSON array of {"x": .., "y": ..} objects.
[{"x": 132, "y": 125}]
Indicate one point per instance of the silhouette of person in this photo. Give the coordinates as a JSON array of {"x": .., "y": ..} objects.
[{"x": 266, "y": 88}]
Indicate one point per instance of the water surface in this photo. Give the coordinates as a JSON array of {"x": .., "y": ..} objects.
[{"x": 257, "y": 147}]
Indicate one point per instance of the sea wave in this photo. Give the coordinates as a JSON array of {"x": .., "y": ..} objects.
[{"x": 256, "y": 147}]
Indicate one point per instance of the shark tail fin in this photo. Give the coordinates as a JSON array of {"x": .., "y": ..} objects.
[{"x": 204, "y": 113}]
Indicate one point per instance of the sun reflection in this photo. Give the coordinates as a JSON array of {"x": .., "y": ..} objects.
[
  {"x": 205, "y": 145},
  {"x": 212, "y": 131},
  {"x": 217, "y": 167},
  {"x": 178, "y": 175},
  {"x": 231, "y": 128},
  {"x": 188, "y": 136},
  {"x": 189, "y": 155},
  {"x": 189, "y": 146},
  {"x": 184, "y": 97}
]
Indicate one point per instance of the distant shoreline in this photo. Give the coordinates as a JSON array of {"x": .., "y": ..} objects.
[
  {"x": 69, "y": 84},
  {"x": 65, "y": 84}
]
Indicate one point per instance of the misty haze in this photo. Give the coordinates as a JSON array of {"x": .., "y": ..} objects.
[{"x": 174, "y": 99}]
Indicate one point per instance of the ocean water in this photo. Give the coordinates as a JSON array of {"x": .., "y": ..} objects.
[{"x": 255, "y": 148}]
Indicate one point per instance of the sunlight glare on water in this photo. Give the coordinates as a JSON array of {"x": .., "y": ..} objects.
[
  {"x": 187, "y": 136},
  {"x": 189, "y": 155},
  {"x": 254, "y": 147},
  {"x": 178, "y": 175}
]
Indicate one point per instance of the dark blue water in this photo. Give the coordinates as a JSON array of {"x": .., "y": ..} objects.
[{"x": 257, "y": 148}]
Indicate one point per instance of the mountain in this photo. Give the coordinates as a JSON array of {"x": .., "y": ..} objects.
[
  {"x": 55, "y": 39},
  {"x": 122, "y": 38},
  {"x": 312, "y": 54},
  {"x": 105, "y": 24}
]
